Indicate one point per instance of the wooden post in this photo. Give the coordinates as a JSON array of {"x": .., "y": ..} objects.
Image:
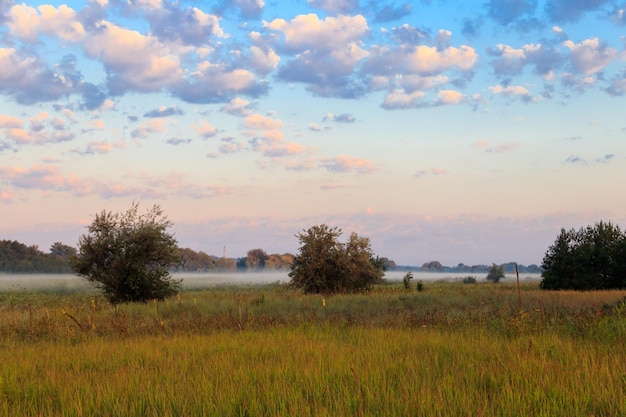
[{"x": 519, "y": 292}]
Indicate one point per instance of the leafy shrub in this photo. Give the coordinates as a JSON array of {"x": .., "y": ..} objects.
[
  {"x": 127, "y": 256},
  {"x": 469, "y": 280},
  {"x": 324, "y": 265},
  {"x": 495, "y": 273},
  {"x": 406, "y": 280}
]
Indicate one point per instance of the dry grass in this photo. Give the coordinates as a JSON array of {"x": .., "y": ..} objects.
[{"x": 454, "y": 349}]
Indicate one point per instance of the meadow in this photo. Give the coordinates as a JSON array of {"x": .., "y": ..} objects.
[{"x": 452, "y": 349}]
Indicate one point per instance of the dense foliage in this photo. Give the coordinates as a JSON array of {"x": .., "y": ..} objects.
[
  {"x": 17, "y": 257},
  {"x": 495, "y": 273},
  {"x": 128, "y": 256},
  {"x": 590, "y": 258},
  {"x": 325, "y": 265}
]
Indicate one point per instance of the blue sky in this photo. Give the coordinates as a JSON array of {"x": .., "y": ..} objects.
[{"x": 460, "y": 132}]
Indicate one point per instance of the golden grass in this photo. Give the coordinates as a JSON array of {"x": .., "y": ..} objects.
[{"x": 453, "y": 350}]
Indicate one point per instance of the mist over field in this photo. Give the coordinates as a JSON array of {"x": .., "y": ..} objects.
[{"x": 69, "y": 282}]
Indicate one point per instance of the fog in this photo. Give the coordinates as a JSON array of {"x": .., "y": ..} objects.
[{"x": 68, "y": 282}]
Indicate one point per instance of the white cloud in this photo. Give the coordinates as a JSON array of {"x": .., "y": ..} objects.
[
  {"x": 135, "y": 61},
  {"x": 590, "y": 55},
  {"x": 401, "y": 100},
  {"x": 450, "y": 97},
  {"x": 511, "y": 91},
  {"x": 263, "y": 61},
  {"x": 428, "y": 60},
  {"x": 308, "y": 32},
  {"x": 27, "y": 23},
  {"x": 237, "y": 107}
]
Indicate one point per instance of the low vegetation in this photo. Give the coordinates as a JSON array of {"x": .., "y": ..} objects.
[{"x": 452, "y": 349}]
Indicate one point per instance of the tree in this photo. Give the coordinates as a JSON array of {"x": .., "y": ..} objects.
[
  {"x": 255, "y": 259},
  {"x": 324, "y": 265},
  {"x": 590, "y": 258},
  {"x": 277, "y": 262},
  {"x": 495, "y": 273},
  {"x": 62, "y": 251},
  {"x": 127, "y": 255},
  {"x": 432, "y": 266}
]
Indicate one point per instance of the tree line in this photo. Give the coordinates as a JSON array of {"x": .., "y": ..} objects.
[
  {"x": 509, "y": 267},
  {"x": 16, "y": 257}
]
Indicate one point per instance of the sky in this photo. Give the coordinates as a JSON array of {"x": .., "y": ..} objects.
[{"x": 464, "y": 132}]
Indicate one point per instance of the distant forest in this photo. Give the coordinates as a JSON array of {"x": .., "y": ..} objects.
[{"x": 16, "y": 257}]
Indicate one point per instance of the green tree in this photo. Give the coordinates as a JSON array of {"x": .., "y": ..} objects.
[
  {"x": 324, "y": 265},
  {"x": 495, "y": 273},
  {"x": 128, "y": 255},
  {"x": 586, "y": 259},
  {"x": 62, "y": 251}
]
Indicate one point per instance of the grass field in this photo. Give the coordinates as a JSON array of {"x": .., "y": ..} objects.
[{"x": 451, "y": 350}]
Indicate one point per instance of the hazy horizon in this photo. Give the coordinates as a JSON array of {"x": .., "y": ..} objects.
[{"x": 198, "y": 280}]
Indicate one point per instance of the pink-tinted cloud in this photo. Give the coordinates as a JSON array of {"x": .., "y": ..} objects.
[
  {"x": 277, "y": 147},
  {"x": 27, "y": 23},
  {"x": 259, "y": 122},
  {"x": 238, "y": 107},
  {"x": 399, "y": 99},
  {"x": 326, "y": 52},
  {"x": 49, "y": 179},
  {"x": 230, "y": 145},
  {"x": 148, "y": 127},
  {"x": 345, "y": 163},
  {"x": 6, "y": 197},
  {"x": 39, "y": 177},
  {"x": 205, "y": 129},
  {"x": 449, "y": 97},
  {"x": 308, "y": 32},
  {"x": 10, "y": 122},
  {"x": 591, "y": 55},
  {"x": 263, "y": 59},
  {"x": 102, "y": 147},
  {"x": 512, "y": 91}
]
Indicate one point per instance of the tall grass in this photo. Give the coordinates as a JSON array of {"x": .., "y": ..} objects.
[{"x": 452, "y": 350}]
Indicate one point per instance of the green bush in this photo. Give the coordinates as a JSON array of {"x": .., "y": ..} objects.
[
  {"x": 127, "y": 256},
  {"x": 469, "y": 280},
  {"x": 406, "y": 280},
  {"x": 324, "y": 265},
  {"x": 495, "y": 273}
]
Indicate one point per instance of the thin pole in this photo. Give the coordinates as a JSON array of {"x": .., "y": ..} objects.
[{"x": 519, "y": 292}]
